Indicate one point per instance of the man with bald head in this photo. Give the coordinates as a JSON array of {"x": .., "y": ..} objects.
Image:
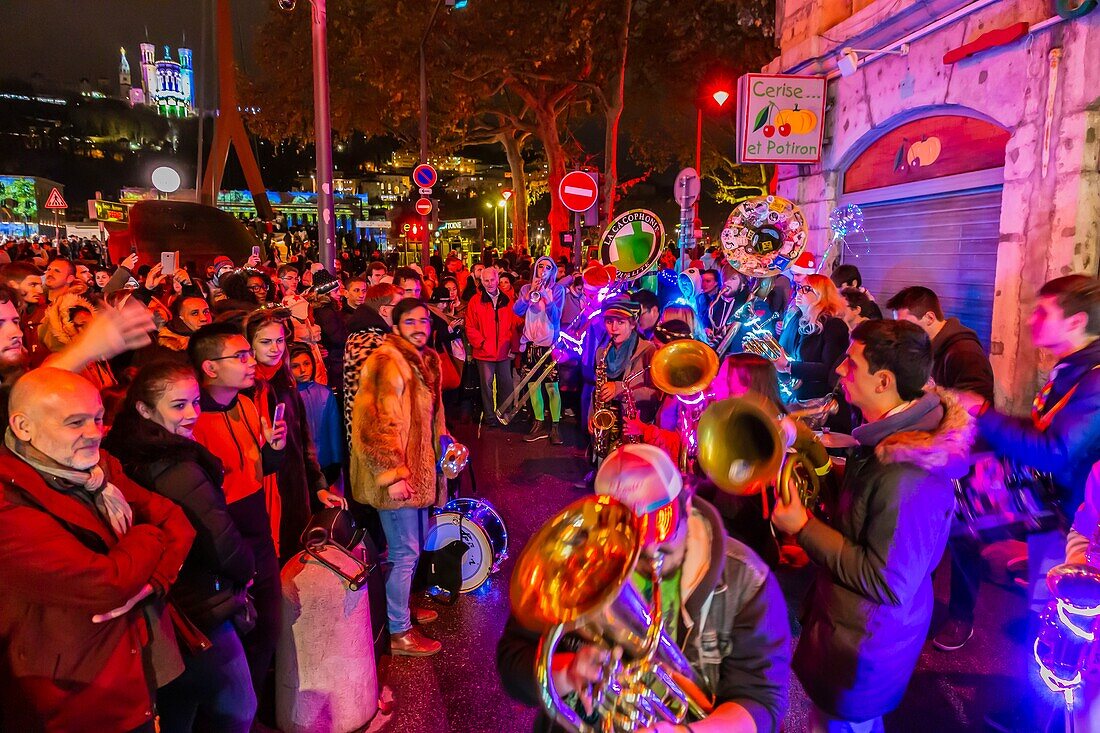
[{"x": 83, "y": 548}]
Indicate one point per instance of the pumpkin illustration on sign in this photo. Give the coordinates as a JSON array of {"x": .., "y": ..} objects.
[{"x": 632, "y": 242}]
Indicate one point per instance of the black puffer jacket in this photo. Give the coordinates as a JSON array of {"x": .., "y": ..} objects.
[
  {"x": 867, "y": 614},
  {"x": 220, "y": 562},
  {"x": 959, "y": 360},
  {"x": 815, "y": 356}
]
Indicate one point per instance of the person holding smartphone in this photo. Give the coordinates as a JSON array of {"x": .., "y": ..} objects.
[{"x": 299, "y": 487}]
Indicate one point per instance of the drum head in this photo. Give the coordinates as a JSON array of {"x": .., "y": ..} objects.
[
  {"x": 448, "y": 526},
  {"x": 485, "y": 514}
]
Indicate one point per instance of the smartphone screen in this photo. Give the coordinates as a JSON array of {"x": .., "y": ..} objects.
[
  {"x": 168, "y": 262},
  {"x": 279, "y": 410},
  {"x": 256, "y": 251}
]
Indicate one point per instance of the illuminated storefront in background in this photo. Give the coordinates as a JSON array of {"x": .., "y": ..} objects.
[{"x": 22, "y": 213}]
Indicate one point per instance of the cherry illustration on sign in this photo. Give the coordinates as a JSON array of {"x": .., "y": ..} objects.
[
  {"x": 577, "y": 191},
  {"x": 424, "y": 206}
]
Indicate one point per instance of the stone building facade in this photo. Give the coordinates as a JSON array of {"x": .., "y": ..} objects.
[{"x": 1008, "y": 193}]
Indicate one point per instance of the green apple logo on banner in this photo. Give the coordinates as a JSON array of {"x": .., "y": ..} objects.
[{"x": 632, "y": 242}]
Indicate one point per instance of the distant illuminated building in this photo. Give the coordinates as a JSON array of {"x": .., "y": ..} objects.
[
  {"x": 123, "y": 75},
  {"x": 166, "y": 84}
]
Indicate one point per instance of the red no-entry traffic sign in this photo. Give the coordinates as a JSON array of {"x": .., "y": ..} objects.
[
  {"x": 578, "y": 192},
  {"x": 424, "y": 206}
]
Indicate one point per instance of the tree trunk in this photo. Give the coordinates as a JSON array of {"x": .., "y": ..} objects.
[
  {"x": 513, "y": 148},
  {"x": 613, "y": 114},
  {"x": 547, "y": 126}
]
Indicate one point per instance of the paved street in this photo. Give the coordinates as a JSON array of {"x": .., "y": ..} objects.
[{"x": 458, "y": 689}]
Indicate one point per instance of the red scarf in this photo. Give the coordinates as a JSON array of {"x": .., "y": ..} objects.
[{"x": 273, "y": 500}]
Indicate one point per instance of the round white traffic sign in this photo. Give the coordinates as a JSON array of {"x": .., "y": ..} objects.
[{"x": 578, "y": 192}]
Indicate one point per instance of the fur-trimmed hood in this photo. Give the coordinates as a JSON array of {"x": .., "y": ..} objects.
[
  {"x": 934, "y": 434},
  {"x": 57, "y": 330}
]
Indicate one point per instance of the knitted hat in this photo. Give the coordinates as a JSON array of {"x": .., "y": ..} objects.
[
  {"x": 221, "y": 262},
  {"x": 621, "y": 306},
  {"x": 806, "y": 264}
]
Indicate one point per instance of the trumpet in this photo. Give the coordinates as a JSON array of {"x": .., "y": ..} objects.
[
  {"x": 574, "y": 577},
  {"x": 743, "y": 445},
  {"x": 534, "y": 296}
]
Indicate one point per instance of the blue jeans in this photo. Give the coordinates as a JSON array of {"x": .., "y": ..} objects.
[
  {"x": 215, "y": 684},
  {"x": 501, "y": 371},
  {"x": 405, "y": 532}
]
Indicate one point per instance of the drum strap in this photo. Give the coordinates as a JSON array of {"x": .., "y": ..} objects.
[{"x": 1042, "y": 422}]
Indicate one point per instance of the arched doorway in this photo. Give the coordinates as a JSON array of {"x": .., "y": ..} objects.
[{"x": 930, "y": 190}]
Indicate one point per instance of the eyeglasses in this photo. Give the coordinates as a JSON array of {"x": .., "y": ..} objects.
[
  {"x": 241, "y": 356},
  {"x": 257, "y": 288},
  {"x": 805, "y": 289}
]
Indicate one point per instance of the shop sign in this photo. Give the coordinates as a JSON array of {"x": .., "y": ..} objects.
[{"x": 780, "y": 118}]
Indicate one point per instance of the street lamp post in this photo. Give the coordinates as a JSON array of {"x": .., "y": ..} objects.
[
  {"x": 720, "y": 97},
  {"x": 503, "y": 215},
  {"x": 322, "y": 130}
]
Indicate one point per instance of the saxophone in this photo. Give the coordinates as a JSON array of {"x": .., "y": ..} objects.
[
  {"x": 603, "y": 418},
  {"x": 629, "y": 412}
]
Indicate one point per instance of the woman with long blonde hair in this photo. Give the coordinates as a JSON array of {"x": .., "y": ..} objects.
[{"x": 821, "y": 340}]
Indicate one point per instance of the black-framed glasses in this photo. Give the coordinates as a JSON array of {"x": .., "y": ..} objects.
[
  {"x": 241, "y": 356},
  {"x": 805, "y": 289}
]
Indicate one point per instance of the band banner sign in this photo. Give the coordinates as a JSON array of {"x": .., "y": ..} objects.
[
  {"x": 632, "y": 242},
  {"x": 780, "y": 118}
]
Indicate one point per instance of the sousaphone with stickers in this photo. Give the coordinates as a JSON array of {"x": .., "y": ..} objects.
[{"x": 763, "y": 235}]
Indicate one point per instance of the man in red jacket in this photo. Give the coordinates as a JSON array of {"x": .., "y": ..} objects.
[
  {"x": 492, "y": 327},
  {"x": 82, "y": 550}
]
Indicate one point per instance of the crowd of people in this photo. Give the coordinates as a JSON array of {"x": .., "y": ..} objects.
[{"x": 169, "y": 436}]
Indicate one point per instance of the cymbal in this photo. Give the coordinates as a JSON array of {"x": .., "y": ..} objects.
[{"x": 830, "y": 439}]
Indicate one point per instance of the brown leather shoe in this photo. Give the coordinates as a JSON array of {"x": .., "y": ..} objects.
[
  {"x": 423, "y": 615},
  {"x": 413, "y": 644}
]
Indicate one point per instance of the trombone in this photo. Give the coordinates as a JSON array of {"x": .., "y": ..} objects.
[{"x": 574, "y": 576}]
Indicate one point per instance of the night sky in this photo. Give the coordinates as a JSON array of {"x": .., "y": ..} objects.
[{"x": 65, "y": 40}]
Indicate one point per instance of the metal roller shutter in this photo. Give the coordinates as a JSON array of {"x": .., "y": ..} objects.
[{"x": 947, "y": 243}]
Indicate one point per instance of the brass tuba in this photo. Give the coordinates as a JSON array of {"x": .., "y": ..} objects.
[
  {"x": 743, "y": 446},
  {"x": 685, "y": 370},
  {"x": 574, "y": 577}
]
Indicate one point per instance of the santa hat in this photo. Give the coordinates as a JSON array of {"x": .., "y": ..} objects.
[{"x": 806, "y": 264}]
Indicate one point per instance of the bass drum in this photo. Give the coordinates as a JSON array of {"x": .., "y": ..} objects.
[{"x": 476, "y": 524}]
